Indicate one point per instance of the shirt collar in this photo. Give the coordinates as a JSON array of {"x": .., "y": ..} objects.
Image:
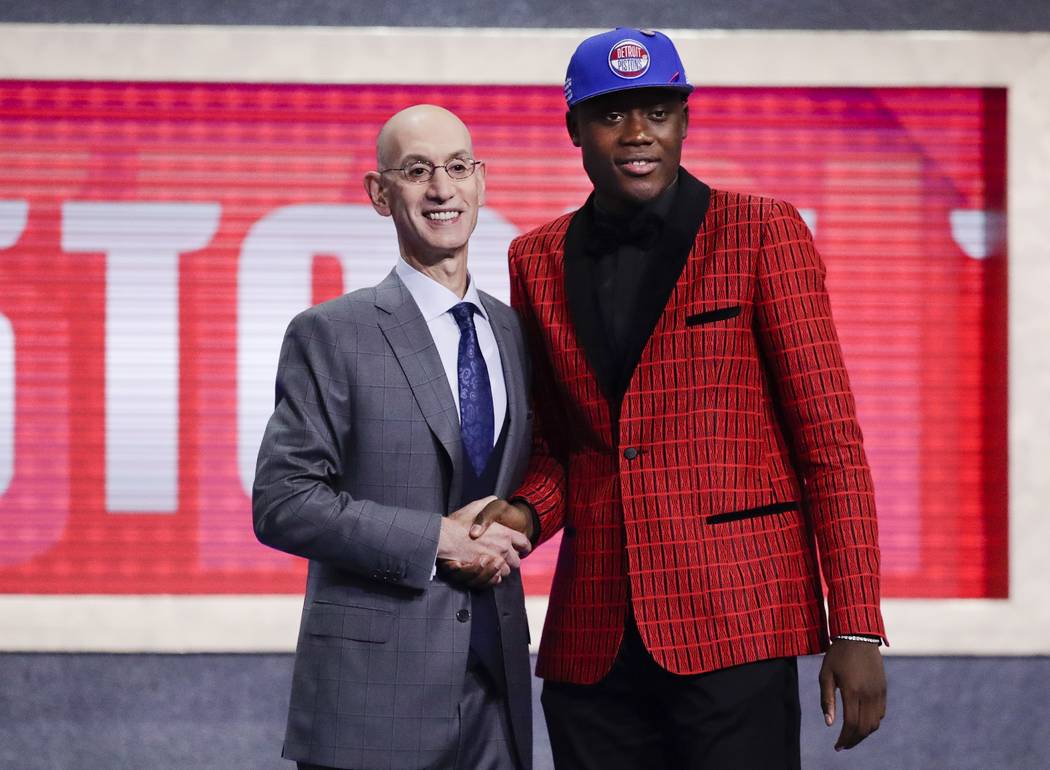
[{"x": 433, "y": 299}]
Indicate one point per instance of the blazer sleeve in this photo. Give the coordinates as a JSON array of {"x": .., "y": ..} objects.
[
  {"x": 297, "y": 505},
  {"x": 797, "y": 336},
  {"x": 544, "y": 486}
]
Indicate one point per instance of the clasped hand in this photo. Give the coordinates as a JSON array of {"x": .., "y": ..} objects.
[{"x": 482, "y": 542}]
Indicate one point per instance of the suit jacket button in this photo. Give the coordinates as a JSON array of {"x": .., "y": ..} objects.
[
  {"x": 463, "y": 616},
  {"x": 630, "y": 453}
]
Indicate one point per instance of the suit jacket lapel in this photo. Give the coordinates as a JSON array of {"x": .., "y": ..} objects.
[
  {"x": 580, "y": 297},
  {"x": 409, "y": 337},
  {"x": 512, "y": 361},
  {"x": 515, "y": 451},
  {"x": 677, "y": 241},
  {"x": 679, "y": 237}
]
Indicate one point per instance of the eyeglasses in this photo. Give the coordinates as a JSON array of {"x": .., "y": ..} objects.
[{"x": 420, "y": 171}]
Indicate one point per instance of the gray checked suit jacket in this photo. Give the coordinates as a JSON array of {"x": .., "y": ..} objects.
[{"x": 359, "y": 461}]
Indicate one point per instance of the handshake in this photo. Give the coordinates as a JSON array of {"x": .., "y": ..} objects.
[{"x": 483, "y": 541}]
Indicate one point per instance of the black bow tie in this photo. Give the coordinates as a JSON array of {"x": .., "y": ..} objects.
[{"x": 607, "y": 234}]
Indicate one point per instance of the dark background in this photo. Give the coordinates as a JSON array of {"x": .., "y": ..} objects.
[{"x": 1019, "y": 16}]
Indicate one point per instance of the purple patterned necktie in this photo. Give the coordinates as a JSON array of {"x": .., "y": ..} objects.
[{"x": 475, "y": 391}]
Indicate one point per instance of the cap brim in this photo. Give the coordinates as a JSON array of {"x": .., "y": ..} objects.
[{"x": 683, "y": 87}]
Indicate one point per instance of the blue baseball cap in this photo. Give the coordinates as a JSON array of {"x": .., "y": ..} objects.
[{"x": 621, "y": 59}]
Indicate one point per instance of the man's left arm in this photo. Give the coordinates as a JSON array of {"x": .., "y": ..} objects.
[{"x": 801, "y": 350}]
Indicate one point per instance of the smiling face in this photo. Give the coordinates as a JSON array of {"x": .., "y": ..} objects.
[
  {"x": 433, "y": 219},
  {"x": 631, "y": 143}
]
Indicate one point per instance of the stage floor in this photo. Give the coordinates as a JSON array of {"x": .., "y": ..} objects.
[{"x": 176, "y": 712}]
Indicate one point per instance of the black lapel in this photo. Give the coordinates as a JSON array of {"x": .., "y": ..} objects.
[
  {"x": 679, "y": 236},
  {"x": 583, "y": 304}
]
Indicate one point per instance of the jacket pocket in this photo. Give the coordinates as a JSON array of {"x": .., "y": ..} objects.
[
  {"x": 349, "y": 621},
  {"x": 752, "y": 513},
  {"x": 718, "y": 314}
]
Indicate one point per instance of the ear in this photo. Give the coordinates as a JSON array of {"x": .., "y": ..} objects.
[
  {"x": 685, "y": 119},
  {"x": 572, "y": 126},
  {"x": 377, "y": 193}
]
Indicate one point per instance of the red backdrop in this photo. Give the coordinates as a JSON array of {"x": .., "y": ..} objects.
[{"x": 904, "y": 189}]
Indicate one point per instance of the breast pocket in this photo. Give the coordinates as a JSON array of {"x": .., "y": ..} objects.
[
  {"x": 720, "y": 344},
  {"x": 710, "y": 316}
]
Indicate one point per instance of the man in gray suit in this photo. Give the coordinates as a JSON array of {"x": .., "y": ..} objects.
[{"x": 401, "y": 410}]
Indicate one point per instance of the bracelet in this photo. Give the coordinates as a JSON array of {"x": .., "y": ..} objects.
[{"x": 857, "y": 638}]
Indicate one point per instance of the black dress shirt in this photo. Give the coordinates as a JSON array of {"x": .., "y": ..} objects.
[{"x": 623, "y": 251}]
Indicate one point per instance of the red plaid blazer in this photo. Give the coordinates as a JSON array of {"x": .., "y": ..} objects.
[{"x": 739, "y": 459}]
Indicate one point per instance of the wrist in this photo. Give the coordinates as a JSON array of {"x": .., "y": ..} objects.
[
  {"x": 447, "y": 538},
  {"x": 875, "y": 640},
  {"x": 525, "y": 516},
  {"x": 530, "y": 519}
]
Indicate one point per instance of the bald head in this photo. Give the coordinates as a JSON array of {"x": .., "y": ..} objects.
[{"x": 418, "y": 121}]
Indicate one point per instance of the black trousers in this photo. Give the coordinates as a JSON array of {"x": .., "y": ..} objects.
[{"x": 642, "y": 717}]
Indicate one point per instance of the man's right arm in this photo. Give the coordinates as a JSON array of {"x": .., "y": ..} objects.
[{"x": 296, "y": 505}]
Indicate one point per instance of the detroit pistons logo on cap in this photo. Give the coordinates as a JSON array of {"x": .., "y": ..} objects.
[{"x": 629, "y": 59}]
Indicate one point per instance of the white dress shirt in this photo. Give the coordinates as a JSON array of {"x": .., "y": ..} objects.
[{"x": 435, "y": 301}]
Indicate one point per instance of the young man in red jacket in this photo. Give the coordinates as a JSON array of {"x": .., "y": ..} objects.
[{"x": 697, "y": 444}]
